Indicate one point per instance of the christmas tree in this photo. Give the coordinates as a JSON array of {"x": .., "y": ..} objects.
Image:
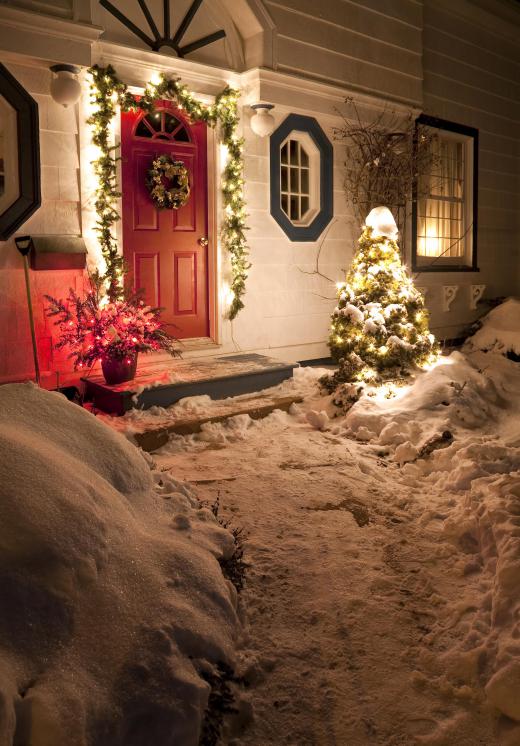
[{"x": 380, "y": 326}]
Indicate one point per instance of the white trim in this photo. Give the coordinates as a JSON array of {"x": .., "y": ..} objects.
[
  {"x": 136, "y": 67},
  {"x": 312, "y": 96}
]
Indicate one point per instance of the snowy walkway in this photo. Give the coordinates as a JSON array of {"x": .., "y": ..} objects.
[{"x": 351, "y": 592}]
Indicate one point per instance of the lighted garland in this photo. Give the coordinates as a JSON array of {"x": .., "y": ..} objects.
[{"x": 107, "y": 92}]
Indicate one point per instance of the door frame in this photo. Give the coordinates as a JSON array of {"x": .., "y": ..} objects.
[{"x": 213, "y": 201}]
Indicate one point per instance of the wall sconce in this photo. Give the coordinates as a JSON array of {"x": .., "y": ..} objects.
[
  {"x": 262, "y": 122},
  {"x": 65, "y": 86}
]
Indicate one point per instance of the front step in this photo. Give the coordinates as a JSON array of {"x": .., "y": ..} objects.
[{"x": 166, "y": 383}]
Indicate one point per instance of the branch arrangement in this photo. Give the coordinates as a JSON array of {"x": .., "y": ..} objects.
[{"x": 387, "y": 157}]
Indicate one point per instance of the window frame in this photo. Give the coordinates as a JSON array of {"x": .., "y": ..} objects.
[
  {"x": 451, "y": 264},
  {"x": 292, "y": 125},
  {"x": 28, "y": 199}
]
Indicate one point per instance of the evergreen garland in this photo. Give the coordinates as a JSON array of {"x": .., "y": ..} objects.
[{"x": 107, "y": 91}]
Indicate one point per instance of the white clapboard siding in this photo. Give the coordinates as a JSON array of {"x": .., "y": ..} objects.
[{"x": 357, "y": 44}]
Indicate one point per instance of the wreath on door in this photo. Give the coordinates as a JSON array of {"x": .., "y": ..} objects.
[{"x": 168, "y": 183}]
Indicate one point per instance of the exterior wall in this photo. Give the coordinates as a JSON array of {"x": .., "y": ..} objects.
[
  {"x": 471, "y": 76},
  {"x": 287, "y": 312},
  {"x": 370, "y": 45},
  {"x": 59, "y": 214}
]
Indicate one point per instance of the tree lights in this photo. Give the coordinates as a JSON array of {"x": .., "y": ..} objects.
[
  {"x": 107, "y": 92},
  {"x": 380, "y": 326}
]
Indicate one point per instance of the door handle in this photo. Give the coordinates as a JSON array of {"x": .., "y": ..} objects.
[{"x": 203, "y": 241}]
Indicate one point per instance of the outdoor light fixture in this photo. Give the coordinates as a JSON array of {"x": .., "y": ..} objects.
[
  {"x": 262, "y": 122},
  {"x": 65, "y": 86}
]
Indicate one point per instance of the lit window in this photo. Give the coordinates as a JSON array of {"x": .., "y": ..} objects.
[
  {"x": 445, "y": 205},
  {"x": 301, "y": 178}
]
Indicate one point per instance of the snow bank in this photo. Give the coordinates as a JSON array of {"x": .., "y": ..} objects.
[
  {"x": 112, "y": 599},
  {"x": 500, "y": 330},
  {"x": 477, "y": 471},
  {"x": 454, "y": 393}
]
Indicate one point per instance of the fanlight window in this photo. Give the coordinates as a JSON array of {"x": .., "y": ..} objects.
[{"x": 162, "y": 125}]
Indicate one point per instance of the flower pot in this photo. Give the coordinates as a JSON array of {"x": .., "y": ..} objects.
[{"x": 119, "y": 370}]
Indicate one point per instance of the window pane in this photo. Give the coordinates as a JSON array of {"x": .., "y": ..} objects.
[
  {"x": 285, "y": 153},
  {"x": 284, "y": 184},
  {"x": 304, "y": 206},
  {"x": 142, "y": 130},
  {"x": 295, "y": 208},
  {"x": 304, "y": 158},
  {"x": 440, "y": 229},
  {"x": 285, "y": 204},
  {"x": 155, "y": 120},
  {"x": 293, "y": 145},
  {"x": 295, "y": 187},
  {"x": 170, "y": 122},
  {"x": 304, "y": 180}
]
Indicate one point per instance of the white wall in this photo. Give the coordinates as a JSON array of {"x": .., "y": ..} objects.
[{"x": 287, "y": 312}]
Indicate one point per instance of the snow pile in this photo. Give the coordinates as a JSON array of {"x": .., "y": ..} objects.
[
  {"x": 500, "y": 330},
  {"x": 113, "y": 604},
  {"x": 454, "y": 393},
  {"x": 475, "y": 470}
]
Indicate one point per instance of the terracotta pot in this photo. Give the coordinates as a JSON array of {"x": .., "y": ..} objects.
[{"x": 119, "y": 370}]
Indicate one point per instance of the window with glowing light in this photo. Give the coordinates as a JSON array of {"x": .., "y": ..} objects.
[{"x": 444, "y": 216}]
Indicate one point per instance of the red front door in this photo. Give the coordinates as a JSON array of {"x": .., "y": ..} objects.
[{"x": 167, "y": 249}]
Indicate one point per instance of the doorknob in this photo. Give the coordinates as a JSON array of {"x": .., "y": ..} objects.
[{"x": 203, "y": 241}]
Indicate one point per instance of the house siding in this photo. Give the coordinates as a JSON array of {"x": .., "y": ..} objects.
[
  {"x": 471, "y": 76},
  {"x": 371, "y": 46}
]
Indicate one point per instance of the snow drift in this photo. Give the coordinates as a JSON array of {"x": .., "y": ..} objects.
[
  {"x": 113, "y": 604},
  {"x": 500, "y": 330}
]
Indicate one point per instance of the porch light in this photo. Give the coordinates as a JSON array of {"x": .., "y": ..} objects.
[
  {"x": 262, "y": 121},
  {"x": 65, "y": 86}
]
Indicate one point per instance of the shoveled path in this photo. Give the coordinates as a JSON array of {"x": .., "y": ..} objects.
[{"x": 350, "y": 592}]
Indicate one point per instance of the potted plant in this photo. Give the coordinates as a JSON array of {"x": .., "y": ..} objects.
[{"x": 111, "y": 331}]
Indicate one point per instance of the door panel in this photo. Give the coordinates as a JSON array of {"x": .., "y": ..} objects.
[
  {"x": 147, "y": 277},
  {"x": 186, "y": 283},
  {"x": 162, "y": 246}
]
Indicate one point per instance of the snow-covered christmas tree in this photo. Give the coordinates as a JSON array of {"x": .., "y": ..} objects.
[{"x": 380, "y": 327}]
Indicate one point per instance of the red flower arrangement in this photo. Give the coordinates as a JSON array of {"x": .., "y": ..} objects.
[{"x": 95, "y": 328}]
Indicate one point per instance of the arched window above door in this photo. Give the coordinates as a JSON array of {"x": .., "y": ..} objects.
[{"x": 162, "y": 125}]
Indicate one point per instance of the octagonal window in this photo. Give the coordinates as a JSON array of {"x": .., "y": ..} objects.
[{"x": 301, "y": 178}]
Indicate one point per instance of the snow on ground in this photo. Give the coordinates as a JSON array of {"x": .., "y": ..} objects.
[
  {"x": 499, "y": 330},
  {"x": 113, "y": 604},
  {"x": 383, "y": 596}
]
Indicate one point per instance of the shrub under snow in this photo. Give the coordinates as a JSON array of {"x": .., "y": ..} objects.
[{"x": 112, "y": 601}]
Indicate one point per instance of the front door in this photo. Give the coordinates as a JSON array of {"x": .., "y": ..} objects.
[{"x": 166, "y": 249}]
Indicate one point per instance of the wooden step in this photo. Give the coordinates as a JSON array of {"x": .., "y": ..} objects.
[
  {"x": 165, "y": 383},
  {"x": 152, "y": 436}
]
